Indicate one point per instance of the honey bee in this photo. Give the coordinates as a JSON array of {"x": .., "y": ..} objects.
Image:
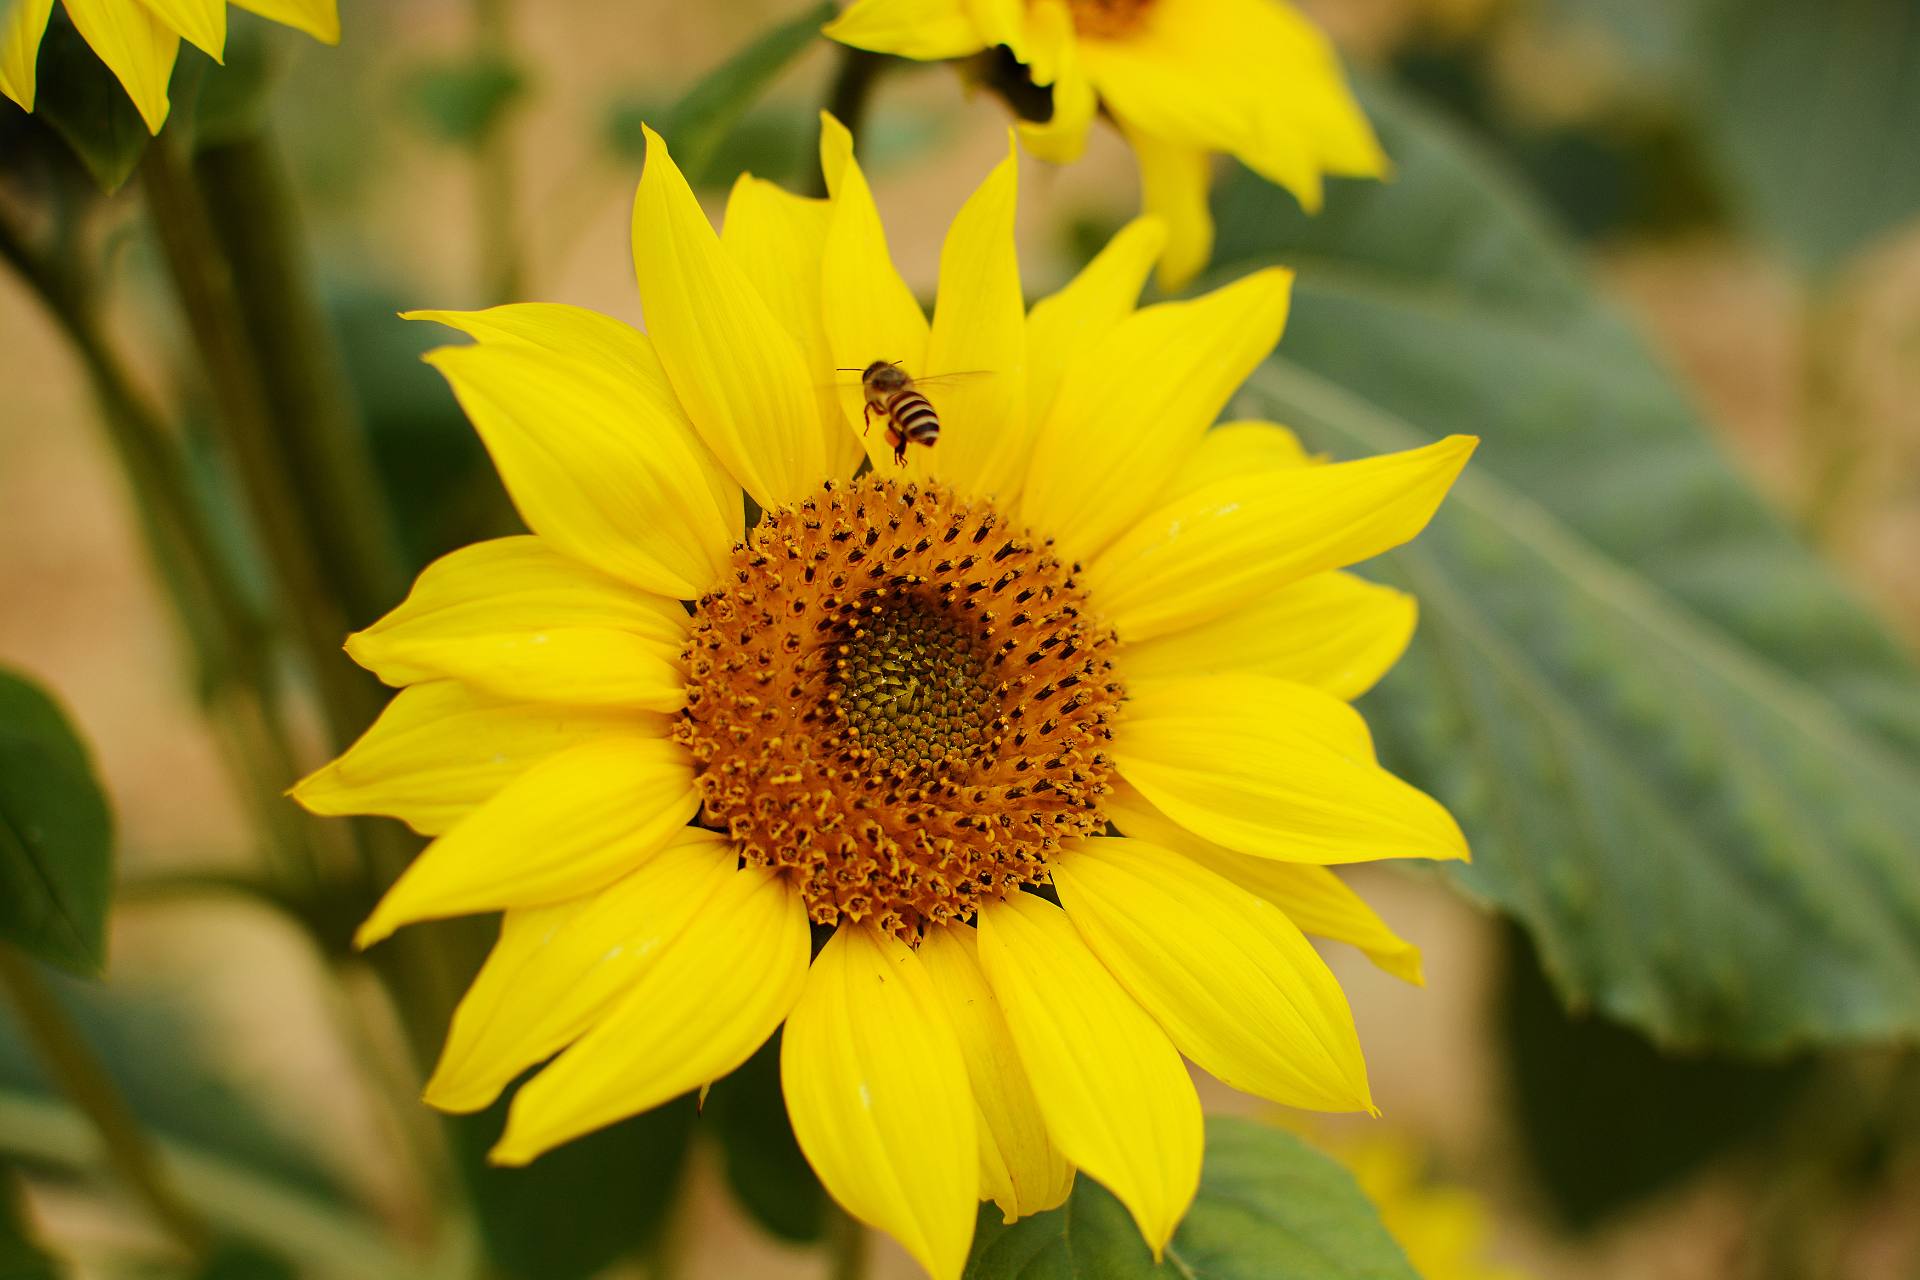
[{"x": 909, "y": 415}]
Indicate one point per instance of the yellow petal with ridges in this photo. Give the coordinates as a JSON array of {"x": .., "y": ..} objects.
[
  {"x": 926, "y": 30},
  {"x": 980, "y": 327},
  {"x": 1333, "y": 631},
  {"x": 1203, "y": 554},
  {"x": 136, "y": 46},
  {"x": 441, "y": 750},
  {"x": 518, "y": 619},
  {"x": 616, "y": 347},
  {"x": 1020, "y": 1168},
  {"x": 573, "y": 823},
  {"x": 1063, "y": 326},
  {"x": 609, "y": 478},
  {"x": 1132, "y": 407},
  {"x": 694, "y": 1012},
  {"x": 870, "y": 313},
  {"x": 1275, "y": 770},
  {"x": 1315, "y": 898},
  {"x": 318, "y": 18},
  {"x": 740, "y": 375},
  {"x": 1116, "y": 1097},
  {"x": 876, "y": 1087},
  {"x": 201, "y": 23},
  {"x": 1175, "y": 178},
  {"x": 556, "y": 969},
  {"x": 25, "y": 24},
  {"x": 1234, "y": 983},
  {"x": 779, "y": 240}
]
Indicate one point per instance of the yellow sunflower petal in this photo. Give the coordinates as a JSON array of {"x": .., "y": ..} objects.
[
  {"x": 1315, "y": 898},
  {"x": 556, "y": 968},
  {"x": 610, "y": 479},
  {"x": 980, "y": 327},
  {"x": 927, "y": 30},
  {"x": 1132, "y": 407},
  {"x": 779, "y": 240},
  {"x": 1116, "y": 1097},
  {"x": 1333, "y": 631},
  {"x": 876, "y": 1086},
  {"x": 694, "y": 1012},
  {"x": 571, "y": 824},
  {"x": 25, "y": 24},
  {"x": 870, "y": 313},
  {"x": 1052, "y": 50},
  {"x": 617, "y": 348},
  {"x": 318, "y": 18},
  {"x": 740, "y": 375},
  {"x": 1205, "y": 553},
  {"x": 1234, "y": 983},
  {"x": 1078, "y": 319},
  {"x": 136, "y": 46},
  {"x": 1175, "y": 178},
  {"x": 441, "y": 750},
  {"x": 1238, "y": 449},
  {"x": 1273, "y": 769},
  {"x": 201, "y": 23},
  {"x": 518, "y": 619},
  {"x": 1020, "y": 1168}
]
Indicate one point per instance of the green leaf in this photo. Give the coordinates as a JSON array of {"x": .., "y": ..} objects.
[
  {"x": 1684, "y": 752},
  {"x": 581, "y": 1207},
  {"x": 1269, "y": 1206},
  {"x": 56, "y": 834},
  {"x": 81, "y": 99},
  {"x": 21, "y": 1257},
  {"x": 1814, "y": 109},
  {"x": 747, "y": 1114},
  {"x": 701, "y": 121},
  {"x": 1607, "y": 1120}
]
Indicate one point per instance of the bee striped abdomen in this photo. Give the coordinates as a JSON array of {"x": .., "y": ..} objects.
[{"x": 915, "y": 417}]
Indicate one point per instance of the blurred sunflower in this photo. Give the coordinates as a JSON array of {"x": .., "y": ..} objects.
[
  {"x": 858, "y": 782},
  {"x": 1444, "y": 1229},
  {"x": 139, "y": 39},
  {"x": 1183, "y": 80}
]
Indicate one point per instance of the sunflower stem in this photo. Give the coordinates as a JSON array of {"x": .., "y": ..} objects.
[
  {"x": 203, "y": 280},
  {"x": 231, "y": 652},
  {"x": 317, "y": 423},
  {"x": 73, "y": 1065},
  {"x": 849, "y": 1246},
  {"x": 848, "y": 98}
]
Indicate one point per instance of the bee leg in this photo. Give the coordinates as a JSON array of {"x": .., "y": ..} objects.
[
  {"x": 900, "y": 451},
  {"x": 866, "y": 417}
]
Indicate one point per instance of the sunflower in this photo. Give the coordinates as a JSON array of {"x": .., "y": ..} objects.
[
  {"x": 1183, "y": 80},
  {"x": 850, "y": 763},
  {"x": 139, "y": 39}
]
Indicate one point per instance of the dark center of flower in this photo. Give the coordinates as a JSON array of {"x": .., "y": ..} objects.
[
  {"x": 1108, "y": 19},
  {"x": 899, "y": 699}
]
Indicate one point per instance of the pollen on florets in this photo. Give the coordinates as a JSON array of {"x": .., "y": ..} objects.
[{"x": 900, "y": 699}]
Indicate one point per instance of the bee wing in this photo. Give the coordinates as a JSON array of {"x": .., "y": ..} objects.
[{"x": 949, "y": 379}]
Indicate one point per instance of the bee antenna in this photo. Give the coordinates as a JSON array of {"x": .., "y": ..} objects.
[{"x": 847, "y": 368}]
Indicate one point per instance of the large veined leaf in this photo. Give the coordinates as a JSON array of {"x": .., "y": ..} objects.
[
  {"x": 1685, "y": 754},
  {"x": 56, "y": 834},
  {"x": 1269, "y": 1206}
]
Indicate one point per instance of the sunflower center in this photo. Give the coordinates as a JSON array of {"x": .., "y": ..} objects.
[
  {"x": 1108, "y": 19},
  {"x": 899, "y": 699}
]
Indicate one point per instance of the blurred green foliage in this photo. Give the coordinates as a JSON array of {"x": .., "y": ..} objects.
[
  {"x": 1269, "y": 1205},
  {"x": 21, "y": 1257}
]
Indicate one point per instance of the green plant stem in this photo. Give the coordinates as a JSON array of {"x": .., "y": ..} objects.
[
  {"x": 496, "y": 172},
  {"x": 317, "y": 423},
  {"x": 203, "y": 280},
  {"x": 73, "y": 1066},
  {"x": 1830, "y": 438},
  {"x": 849, "y": 1246},
  {"x": 848, "y": 98},
  {"x": 232, "y": 656}
]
